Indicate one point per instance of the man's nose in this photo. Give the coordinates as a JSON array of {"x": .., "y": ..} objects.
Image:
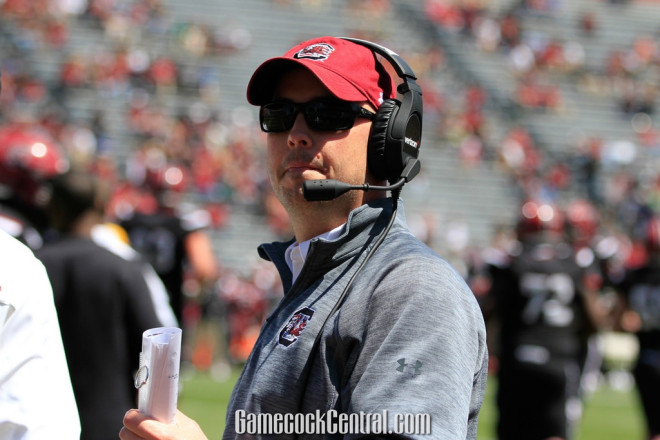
[{"x": 300, "y": 133}]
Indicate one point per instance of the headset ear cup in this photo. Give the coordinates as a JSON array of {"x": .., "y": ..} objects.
[{"x": 378, "y": 137}]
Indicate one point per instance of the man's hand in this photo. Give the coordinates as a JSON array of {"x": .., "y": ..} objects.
[{"x": 140, "y": 426}]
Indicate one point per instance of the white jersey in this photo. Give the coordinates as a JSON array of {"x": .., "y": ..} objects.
[{"x": 36, "y": 396}]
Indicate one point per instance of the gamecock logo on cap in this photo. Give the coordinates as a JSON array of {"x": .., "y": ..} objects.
[{"x": 317, "y": 52}]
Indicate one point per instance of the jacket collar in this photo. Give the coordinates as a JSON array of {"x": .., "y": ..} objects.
[{"x": 363, "y": 226}]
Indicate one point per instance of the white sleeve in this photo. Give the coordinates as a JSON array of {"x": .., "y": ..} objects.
[
  {"x": 36, "y": 396},
  {"x": 159, "y": 297}
]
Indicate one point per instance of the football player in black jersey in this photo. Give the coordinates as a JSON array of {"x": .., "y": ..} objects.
[
  {"x": 176, "y": 243},
  {"x": 545, "y": 299},
  {"x": 640, "y": 314}
]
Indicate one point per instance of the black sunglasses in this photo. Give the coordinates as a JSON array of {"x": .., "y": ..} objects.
[{"x": 320, "y": 114}]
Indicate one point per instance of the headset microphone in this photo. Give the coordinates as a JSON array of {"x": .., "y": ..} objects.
[{"x": 328, "y": 189}]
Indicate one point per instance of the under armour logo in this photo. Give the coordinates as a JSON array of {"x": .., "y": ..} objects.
[{"x": 417, "y": 366}]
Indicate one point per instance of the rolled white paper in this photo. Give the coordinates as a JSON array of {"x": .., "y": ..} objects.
[{"x": 158, "y": 376}]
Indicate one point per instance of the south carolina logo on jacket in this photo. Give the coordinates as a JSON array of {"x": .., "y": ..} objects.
[{"x": 296, "y": 325}]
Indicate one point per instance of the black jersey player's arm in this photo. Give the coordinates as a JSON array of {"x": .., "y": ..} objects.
[
  {"x": 598, "y": 315},
  {"x": 622, "y": 317}
]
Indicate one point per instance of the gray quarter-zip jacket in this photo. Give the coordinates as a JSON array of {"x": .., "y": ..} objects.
[{"x": 408, "y": 339}]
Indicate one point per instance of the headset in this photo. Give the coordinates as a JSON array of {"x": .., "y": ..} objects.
[
  {"x": 396, "y": 132},
  {"x": 395, "y": 136}
]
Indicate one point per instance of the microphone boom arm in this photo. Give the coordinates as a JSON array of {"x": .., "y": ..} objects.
[{"x": 329, "y": 189}]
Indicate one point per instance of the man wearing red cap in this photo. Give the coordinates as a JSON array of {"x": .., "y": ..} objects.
[{"x": 376, "y": 335}]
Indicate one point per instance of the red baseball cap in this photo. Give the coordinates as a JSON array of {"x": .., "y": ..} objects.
[{"x": 349, "y": 70}]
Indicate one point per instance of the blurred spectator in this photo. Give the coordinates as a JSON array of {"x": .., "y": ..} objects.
[
  {"x": 574, "y": 57},
  {"x": 163, "y": 73},
  {"x": 519, "y": 153},
  {"x": 488, "y": 34},
  {"x": 471, "y": 151},
  {"x": 73, "y": 73},
  {"x": 510, "y": 30},
  {"x": 103, "y": 304},
  {"x": 551, "y": 55},
  {"x": 556, "y": 180},
  {"x": 640, "y": 97},
  {"x": 587, "y": 167},
  {"x": 588, "y": 23},
  {"x": 36, "y": 397},
  {"x": 534, "y": 94},
  {"x": 444, "y": 13},
  {"x": 522, "y": 60}
]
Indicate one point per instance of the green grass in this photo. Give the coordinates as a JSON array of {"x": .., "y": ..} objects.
[
  {"x": 609, "y": 414},
  {"x": 205, "y": 400},
  {"x": 613, "y": 415}
]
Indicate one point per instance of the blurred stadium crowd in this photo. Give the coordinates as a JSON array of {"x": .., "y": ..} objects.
[{"x": 135, "y": 92}]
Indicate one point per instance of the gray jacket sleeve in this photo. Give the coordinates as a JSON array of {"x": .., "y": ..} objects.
[{"x": 423, "y": 350}]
